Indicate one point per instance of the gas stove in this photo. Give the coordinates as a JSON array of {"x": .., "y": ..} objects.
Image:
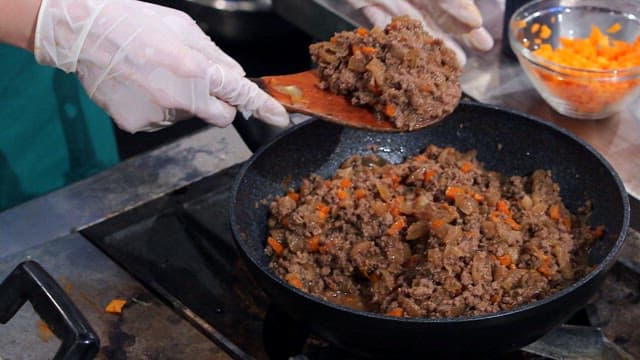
[{"x": 180, "y": 247}]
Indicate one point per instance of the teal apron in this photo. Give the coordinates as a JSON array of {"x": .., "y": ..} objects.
[{"x": 51, "y": 133}]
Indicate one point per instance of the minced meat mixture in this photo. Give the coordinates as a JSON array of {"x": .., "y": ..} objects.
[
  {"x": 404, "y": 74},
  {"x": 435, "y": 236}
]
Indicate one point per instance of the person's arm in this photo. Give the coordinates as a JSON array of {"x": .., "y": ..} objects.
[
  {"x": 18, "y": 22},
  {"x": 146, "y": 65}
]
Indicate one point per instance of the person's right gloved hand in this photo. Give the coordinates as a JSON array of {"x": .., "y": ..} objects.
[{"x": 147, "y": 65}]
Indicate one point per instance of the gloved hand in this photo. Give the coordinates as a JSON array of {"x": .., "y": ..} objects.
[
  {"x": 147, "y": 65},
  {"x": 452, "y": 21}
]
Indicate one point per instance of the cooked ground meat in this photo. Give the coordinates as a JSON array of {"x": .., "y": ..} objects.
[
  {"x": 435, "y": 236},
  {"x": 404, "y": 74}
]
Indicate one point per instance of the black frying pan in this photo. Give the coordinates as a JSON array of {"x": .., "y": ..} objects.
[{"x": 508, "y": 142}]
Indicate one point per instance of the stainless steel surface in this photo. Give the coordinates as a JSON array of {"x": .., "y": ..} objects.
[
  {"x": 122, "y": 187},
  {"x": 45, "y": 230},
  {"x": 577, "y": 342},
  {"x": 92, "y": 280}
]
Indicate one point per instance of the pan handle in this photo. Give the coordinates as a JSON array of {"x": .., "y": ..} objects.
[{"x": 30, "y": 282}]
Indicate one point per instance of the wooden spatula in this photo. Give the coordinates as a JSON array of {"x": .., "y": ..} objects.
[{"x": 299, "y": 93}]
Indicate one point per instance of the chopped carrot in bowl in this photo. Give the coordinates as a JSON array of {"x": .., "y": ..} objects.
[
  {"x": 589, "y": 92},
  {"x": 585, "y": 70}
]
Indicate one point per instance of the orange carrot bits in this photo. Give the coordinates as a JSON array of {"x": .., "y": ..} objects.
[
  {"x": 293, "y": 280},
  {"x": 597, "y": 232},
  {"x": 437, "y": 224},
  {"x": 313, "y": 243},
  {"x": 293, "y": 195},
  {"x": 452, "y": 191},
  {"x": 554, "y": 212},
  {"x": 614, "y": 28},
  {"x": 362, "y": 31},
  {"x": 396, "y": 227},
  {"x": 466, "y": 167},
  {"x": 397, "y": 312},
  {"x": 323, "y": 211},
  {"x": 503, "y": 207},
  {"x": 597, "y": 38},
  {"x": 545, "y": 32},
  {"x": 390, "y": 110},
  {"x": 504, "y": 260},
  {"x": 535, "y": 27},
  {"x": 428, "y": 175},
  {"x": 275, "y": 245}
]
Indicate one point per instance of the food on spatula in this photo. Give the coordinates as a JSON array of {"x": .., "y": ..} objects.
[{"x": 405, "y": 75}]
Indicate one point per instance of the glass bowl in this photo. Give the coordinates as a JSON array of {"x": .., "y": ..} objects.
[{"x": 579, "y": 91}]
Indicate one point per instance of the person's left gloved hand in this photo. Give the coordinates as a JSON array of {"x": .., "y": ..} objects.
[
  {"x": 456, "y": 22},
  {"x": 147, "y": 65}
]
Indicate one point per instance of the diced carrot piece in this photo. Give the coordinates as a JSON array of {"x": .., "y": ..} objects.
[
  {"x": 395, "y": 228},
  {"x": 545, "y": 269},
  {"x": 313, "y": 243},
  {"x": 345, "y": 183},
  {"x": 437, "y": 223},
  {"x": 614, "y": 28},
  {"x": 398, "y": 312},
  {"x": 554, "y": 212},
  {"x": 275, "y": 245},
  {"x": 323, "y": 211},
  {"x": 504, "y": 259},
  {"x": 293, "y": 280},
  {"x": 514, "y": 225},
  {"x": 535, "y": 27},
  {"x": 368, "y": 50},
  {"x": 390, "y": 110},
  {"x": 466, "y": 167},
  {"x": 598, "y": 232},
  {"x": 428, "y": 175},
  {"x": 452, "y": 191},
  {"x": 503, "y": 207},
  {"x": 115, "y": 306}
]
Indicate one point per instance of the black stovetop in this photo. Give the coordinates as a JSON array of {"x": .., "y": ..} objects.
[{"x": 180, "y": 247}]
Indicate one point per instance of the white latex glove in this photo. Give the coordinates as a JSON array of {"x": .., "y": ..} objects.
[
  {"x": 147, "y": 65},
  {"x": 452, "y": 21}
]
